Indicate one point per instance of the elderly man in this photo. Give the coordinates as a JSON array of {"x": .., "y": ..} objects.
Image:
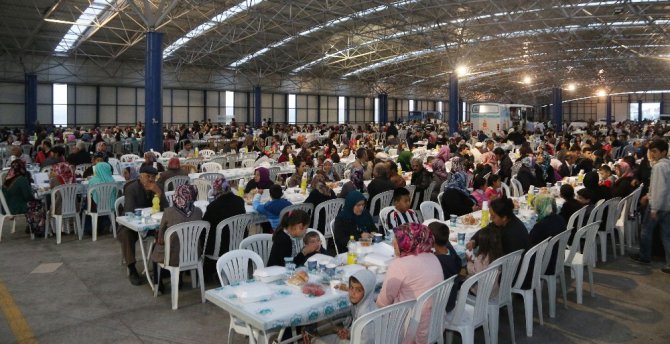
[
  {"x": 420, "y": 177},
  {"x": 139, "y": 193},
  {"x": 380, "y": 182},
  {"x": 17, "y": 153},
  {"x": 79, "y": 155}
]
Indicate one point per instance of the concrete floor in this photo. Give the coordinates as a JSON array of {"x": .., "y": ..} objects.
[{"x": 88, "y": 299}]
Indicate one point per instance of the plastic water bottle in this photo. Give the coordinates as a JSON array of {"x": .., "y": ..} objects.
[
  {"x": 580, "y": 177},
  {"x": 351, "y": 248},
  {"x": 240, "y": 188},
  {"x": 485, "y": 214},
  {"x": 155, "y": 204},
  {"x": 303, "y": 183},
  {"x": 399, "y": 170},
  {"x": 195, "y": 155}
]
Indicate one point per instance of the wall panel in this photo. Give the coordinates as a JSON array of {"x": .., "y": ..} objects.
[
  {"x": 107, "y": 95},
  {"x": 126, "y": 96},
  {"x": 12, "y": 111}
]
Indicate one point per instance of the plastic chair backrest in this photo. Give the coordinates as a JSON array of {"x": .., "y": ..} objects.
[
  {"x": 129, "y": 157},
  {"x": 517, "y": 188},
  {"x": 116, "y": 165},
  {"x": 536, "y": 252},
  {"x": 634, "y": 203},
  {"x": 5, "y": 207},
  {"x": 589, "y": 233},
  {"x": 597, "y": 212},
  {"x": 68, "y": 194},
  {"x": 383, "y": 199},
  {"x": 505, "y": 189},
  {"x": 203, "y": 186},
  {"x": 261, "y": 244},
  {"x": 118, "y": 205},
  {"x": 236, "y": 226},
  {"x": 436, "y": 298},
  {"x": 388, "y": 324},
  {"x": 210, "y": 176},
  {"x": 412, "y": 191},
  {"x": 248, "y": 162},
  {"x": 274, "y": 171},
  {"x": 206, "y": 153},
  {"x": 383, "y": 215},
  {"x": 613, "y": 211},
  {"x": 211, "y": 167},
  {"x": 168, "y": 155},
  {"x": 428, "y": 209},
  {"x": 558, "y": 242},
  {"x": 188, "y": 234},
  {"x": 330, "y": 207},
  {"x": 444, "y": 185},
  {"x": 306, "y": 207},
  {"x": 509, "y": 265},
  {"x": 104, "y": 192},
  {"x": 484, "y": 280},
  {"x": 575, "y": 219},
  {"x": 330, "y": 229},
  {"x": 173, "y": 182},
  {"x": 81, "y": 168},
  {"x": 426, "y": 194},
  {"x": 234, "y": 265}
]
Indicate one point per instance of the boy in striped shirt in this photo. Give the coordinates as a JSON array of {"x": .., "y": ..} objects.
[{"x": 402, "y": 212}]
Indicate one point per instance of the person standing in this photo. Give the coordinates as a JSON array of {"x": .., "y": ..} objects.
[{"x": 658, "y": 198}]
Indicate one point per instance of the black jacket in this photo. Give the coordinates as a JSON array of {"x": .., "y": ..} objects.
[
  {"x": 343, "y": 229},
  {"x": 225, "y": 206},
  {"x": 282, "y": 247},
  {"x": 316, "y": 198},
  {"x": 455, "y": 202},
  {"x": 548, "y": 227}
]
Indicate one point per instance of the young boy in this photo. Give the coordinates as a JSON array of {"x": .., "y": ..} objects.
[
  {"x": 312, "y": 242},
  {"x": 272, "y": 208},
  {"x": 449, "y": 259},
  {"x": 402, "y": 212},
  {"x": 606, "y": 177}
]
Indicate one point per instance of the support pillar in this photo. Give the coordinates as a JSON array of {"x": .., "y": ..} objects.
[
  {"x": 557, "y": 109},
  {"x": 639, "y": 110},
  {"x": 153, "y": 94},
  {"x": 609, "y": 111},
  {"x": 97, "y": 106},
  {"x": 257, "y": 107},
  {"x": 30, "y": 102},
  {"x": 383, "y": 108},
  {"x": 453, "y": 103}
]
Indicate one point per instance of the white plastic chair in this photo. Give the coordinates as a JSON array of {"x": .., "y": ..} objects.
[
  {"x": 412, "y": 191},
  {"x": 7, "y": 215},
  {"x": 558, "y": 244},
  {"x": 383, "y": 215},
  {"x": 188, "y": 234},
  {"x": 436, "y": 298},
  {"x": 439, "y": 199},
  {"x": 576, "y": 219},
  {"x": 172, "y": 183},
  {"x": 428, "y": 209},
  {"x": 211, "y": 167},
  {"x": 466, "y": 317},
  {"x": 517, "y": 188},
  {"x": 623, "y": 223},
  {"x": 116, "y": 165},
  {"x": 206, "y": 153},
  {"x": 386, "y": 325},
  {"x": 613, "y": 211},
  {"x": 212, "y": 176},
  {"x": 306, "y": 207},
  {"x": 380, "y": 200},
  {"x": 505, "y": 189},
  {"x": 248, "y": 163},
  {"x": 80, "y": 169},
  {"x": 329, "y": 228},
  {"x": 103, "y": 208},
  {"x": 168, "y": 155},
  {"x": 203, "y": 186},
  {"x": 324, "y": 243},
  {"x": 68, "y": 193},
  {"x": 274, "y": 171},
  {"x": 331, "y": 208},
  {"x": 509, "y": 265},
  {"x": 425, "y": 196},
  {"x": 587, "y": 259},
  {"x": 536, "y": 252},
  {"x": 118, "y": 204},
  {"x": 129, "y": 158},
  {"x": 236, "y": 226},
  {"x": 261, "y": 244},
  {"x": 234, "y": 267},
  {"x": 635, "y": 218}
]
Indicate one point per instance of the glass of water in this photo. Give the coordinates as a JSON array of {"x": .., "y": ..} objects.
[{"x": 290, "y": 266}]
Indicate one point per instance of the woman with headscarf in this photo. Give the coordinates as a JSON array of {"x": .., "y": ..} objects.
[
  {"x": 183, "y": 210},
  {"x": 544, "y": 171},
  {"x": 329, "y": 172},
  {"x": 440, "y": 175},
  {"x": 319, "y": 194},
  {"x": 415, "y": 270},
  {"x": 355, "y": 182},
  {"x": 490, "y": 163},
  {"x": 353, "y": 220},
  {"x": 261, "y": 180},
  {"x": 444, "y": 154},
  {"x": 625, "y": 182},
  {"x": 549, "y": 223},
  {"x": 405, "y": 160},
  {"x": 456, "y": 199},
  {"x": 61, "y": 174},
  {"x": 527, "y": 174},
  {"x": 19, "y": 196},
  {"x": 102, "y": 173},
  {"x": 591, "y": 182},
  {"x": 173, "y": 169}
]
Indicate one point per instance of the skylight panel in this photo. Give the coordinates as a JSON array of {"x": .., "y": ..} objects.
[{"x": 92, "y": 14}]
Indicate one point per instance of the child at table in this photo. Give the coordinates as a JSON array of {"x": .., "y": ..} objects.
[
  {"x": 272, "y": 208},
  {"x": 493, "y": 190},
  {"x": 361, "y": 295},
  {"x": 402, "y": 212},
  {"x": 449, "y": 259},
  {"x": 489, "y": 249}
]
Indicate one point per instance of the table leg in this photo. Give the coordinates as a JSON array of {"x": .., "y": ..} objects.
[{"x": 144, "y": 261}]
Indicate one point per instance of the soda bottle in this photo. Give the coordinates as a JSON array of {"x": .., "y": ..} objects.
[
  {"x": 485, "y": 214},
  {"x": 240, "y": 188},
  {"x": 303, "y": 183},
  {"x": 351, "y": 248},
  {"x": 155, "y": 204}
]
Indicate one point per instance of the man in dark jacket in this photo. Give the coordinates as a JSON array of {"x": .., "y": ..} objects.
[
  {"x": 79, "y": 155},
  {"x": 505, "y": 164},
  {"x": 380, "y": 182}
]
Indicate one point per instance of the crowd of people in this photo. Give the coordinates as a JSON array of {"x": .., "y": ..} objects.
[{"x": 463, "y": 172}]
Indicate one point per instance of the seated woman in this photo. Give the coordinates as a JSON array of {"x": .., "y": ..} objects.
[
  {"x": 625, "y": 182},
  {"x": 415, "y": 270},
  {"x": 440, "y": 175},
  {"x": 513, "y": 233},
  {"x": 19, "y": 196},
  {"x": 544, "y": 171},
  {"x": 456, "y": 200},
  {"x": 355, "y": 182},
  {"x": 319, "y": 194},
  {"x": 527, "y": 174},
  {"x": 479, "y": 191},
  {"x": 329, "y": 172},
  {"x": 285, "y": 239},
  {"x": 61, "y": 174},
  {"x": 102, "y": 174},
  {"x": 183, "y": 210},
  {"x": 548, "y": 224},
  {"x": 272, "y": 208},
  {"x": 286, "y": 154},
  {"x": 353, "y": 220},
  {"x": 261, "y": 180}
]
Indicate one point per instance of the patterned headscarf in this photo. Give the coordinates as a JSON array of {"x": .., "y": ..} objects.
[
  {"x": 413, "y": 239},
  {"x": 546, "y": 164},
  {"x": 444, "y": 153},
  {"x": 220, "y": 186},
  {"x": 490, "y": 159},
  {"x": 319, "y": 184},
  {"x": 439, "y": 170},
  {"x": 173, "y": 163},
  {"x": 544, "y": 206},
  {"x": 459, "y": 182},
  {"x": 530, "y": 163},
  {"x": 626, "y": 171},
  {"x": 457, "y": 165},
  {"x": 183, "y": 199},
  {"x": 63, "y": 172},
  {"x": 356, "y": 178},
  {"x": 16, "y": 169}
]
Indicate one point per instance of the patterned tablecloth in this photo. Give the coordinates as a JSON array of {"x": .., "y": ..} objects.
[{"x": 287, "y": 307}]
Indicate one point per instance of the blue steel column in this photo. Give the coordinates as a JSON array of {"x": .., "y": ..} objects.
[
  {"x": 383, "y": 108},
  {"x": 453, "y": 103},
  {"x": 609, "y": 111},
  {"x": 257, "y": 107},
  {"x": 30, "y": 102},
  {"x": 639, "y": 110},
  {"x": 153, "y": 92},
  {"x": 557, "y": 110}
]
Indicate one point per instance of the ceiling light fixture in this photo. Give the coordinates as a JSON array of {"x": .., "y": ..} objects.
[
  {"x": 461, "y": 70},
  {"x": 601, "y": 93},
  {"x": 571, "y": 87},
  {"x": 527, "y": 80}
]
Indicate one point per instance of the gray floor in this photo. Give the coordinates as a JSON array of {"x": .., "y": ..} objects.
[{"x": 88, "y": 299}]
